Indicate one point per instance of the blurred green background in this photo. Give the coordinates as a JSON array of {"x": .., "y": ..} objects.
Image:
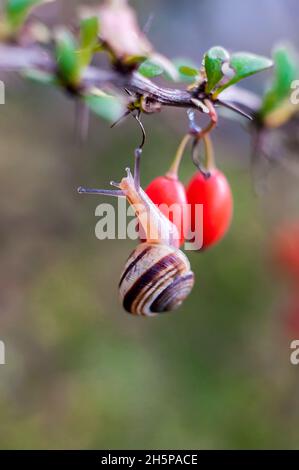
[{"x": 80, "y": 372}]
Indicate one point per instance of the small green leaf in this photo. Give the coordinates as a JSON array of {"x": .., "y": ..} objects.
[
  {"x": 285, "y": 71},
  {"x": 89, "y": 29},
  {"x": 17, "y": 11},
  {"x": 134, "y": 60},
  {"x": 108, "y": 107},
  {"x": 245, "y": 64},
  {"x": 213, "y": 62},
  {"x": 168, "y": 68},
  {"x": 157, "y": 64},
  {"x": 39, "y": 76},
  {"x": 188, "y": 71},
  {"x": 149, "y": 69},
  {"x": 67, "y": 57},
  {"x": 182, "y": 64}
]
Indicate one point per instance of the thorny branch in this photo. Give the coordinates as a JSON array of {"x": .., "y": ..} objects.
[{"x": 19, "y": 59}]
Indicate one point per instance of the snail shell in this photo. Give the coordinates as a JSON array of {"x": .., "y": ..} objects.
[{"x": 156, "y": 278}]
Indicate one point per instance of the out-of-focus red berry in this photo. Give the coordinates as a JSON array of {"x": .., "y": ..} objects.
[
  {"x": 285, "y": 248},
  {"x": 291, "y": 315}
]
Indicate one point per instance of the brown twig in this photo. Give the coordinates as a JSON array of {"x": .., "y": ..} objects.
[{"x": 19, "y": 59}]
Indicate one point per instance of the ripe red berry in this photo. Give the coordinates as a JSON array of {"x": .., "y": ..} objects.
[
  {"x": 285, "y": 248},
  {"x": 165, "y": 191},
  {"x": 214, "y": 193}
]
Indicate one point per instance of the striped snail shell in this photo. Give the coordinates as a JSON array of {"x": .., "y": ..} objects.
[{"x": 156, "y": 278}]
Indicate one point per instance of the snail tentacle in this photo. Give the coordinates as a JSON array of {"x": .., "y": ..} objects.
[{"x": 102, "y": 192}]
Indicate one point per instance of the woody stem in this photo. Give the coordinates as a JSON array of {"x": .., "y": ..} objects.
[
  {"x": 213, "y": 120},
  {"x": 209, "y": 153},
  {"x": 173, "y": 170}
]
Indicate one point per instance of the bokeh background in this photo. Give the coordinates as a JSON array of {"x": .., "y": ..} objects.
[{"x": 80, "y": 372}]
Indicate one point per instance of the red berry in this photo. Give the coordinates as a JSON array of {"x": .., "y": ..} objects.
[
  {"x": 214, "y": 193},
  {"x": 285, "y": 248},
  {"x": 291, "y": 314},
  {"x": 166, "y": 191}
]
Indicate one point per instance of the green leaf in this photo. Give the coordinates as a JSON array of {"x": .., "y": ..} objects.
[
  {"x": 183, "y": 65},
  {"x": 39, "y": 76},
  {"x": 108, "y": 107},
  {"x": 89, "y": 29},
  {"x": 149, "y": 69},
  {"x": 213, "y": 62},
  {"x": 157, "y": 64},
  {"x": 67, "y": 57},
  {"x": 188, "y": 71},
  {"x": 285, "y": 71},
  {"x": 134, "y": 60},
  {"x": 245, "y": 64},
  {"x": 17, "y": 11}
]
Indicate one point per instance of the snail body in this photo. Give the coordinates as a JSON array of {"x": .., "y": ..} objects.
[{"x": 157, "y": 276}]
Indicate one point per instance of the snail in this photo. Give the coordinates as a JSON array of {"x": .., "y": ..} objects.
[{"x": 157, "y": 276}]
